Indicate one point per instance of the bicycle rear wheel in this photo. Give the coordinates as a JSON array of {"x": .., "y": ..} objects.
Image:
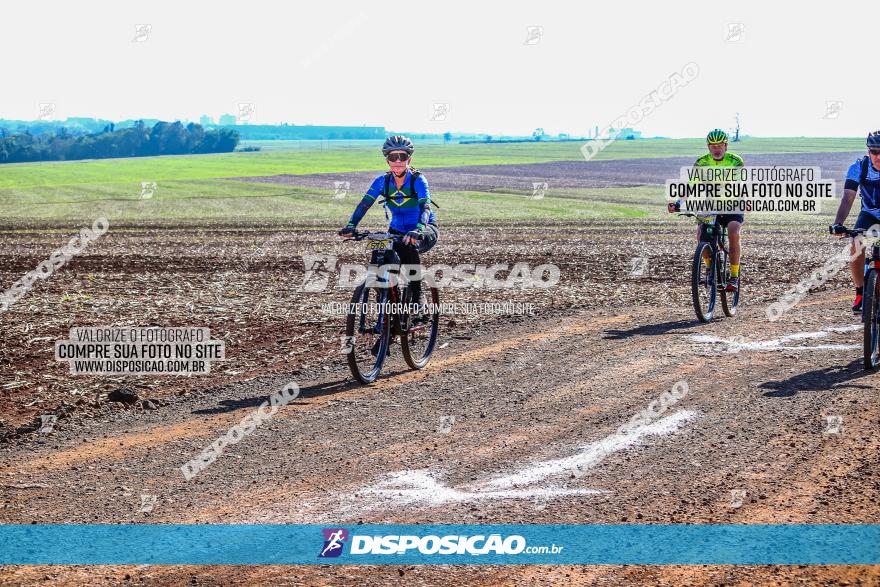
[
  {"x": 419, "y": 332},
  {"x": 367, "y": 332},
  {"x": 871, "y": 318},
  {"x": 703, "y": 283}
]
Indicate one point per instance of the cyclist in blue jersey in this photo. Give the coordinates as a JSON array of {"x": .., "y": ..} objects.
[
  {"x": 405, "y": 193},
  {"x": 863, "y": 177}
]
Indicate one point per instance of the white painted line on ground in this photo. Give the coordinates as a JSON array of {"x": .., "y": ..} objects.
[
  {"x": 739, "y": 344},
  {"x": 423, "y": 486},
  {"x": 593, "y": 453}
]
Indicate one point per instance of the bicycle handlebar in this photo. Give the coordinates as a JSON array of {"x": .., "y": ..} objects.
[
  {"x": 702, "y": 219},
  {"x": 364, "y": 234},
  {"x": 847, "y": 232}
]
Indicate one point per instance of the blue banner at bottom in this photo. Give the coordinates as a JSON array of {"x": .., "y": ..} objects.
[{"x": 264, "y": 544}]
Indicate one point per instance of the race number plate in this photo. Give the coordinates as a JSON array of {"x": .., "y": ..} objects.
[{"x": 379, "y": 245}]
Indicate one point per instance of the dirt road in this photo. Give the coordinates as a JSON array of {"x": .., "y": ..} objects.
[{"x": 778, "y": 425}]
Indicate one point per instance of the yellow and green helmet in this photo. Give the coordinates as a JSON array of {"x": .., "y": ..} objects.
[{"x": 716, "y": 137}]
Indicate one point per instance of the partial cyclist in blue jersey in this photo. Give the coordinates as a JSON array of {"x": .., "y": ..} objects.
[
  {"x": 863, "y": 177},
  {"x": 406, "y": 195}
]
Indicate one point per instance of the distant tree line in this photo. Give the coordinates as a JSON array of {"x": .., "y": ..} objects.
[
  {"x": 74, "y": 125},
  {"x": 163, "y": 138}
]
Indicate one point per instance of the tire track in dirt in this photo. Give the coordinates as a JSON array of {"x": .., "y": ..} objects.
[
  {"x": 131, "y": 446},
  {"x": 474, "y": 436},
  {"x": 594, "y": 384},
  {"x": 683, "y": 575},
  {"x": 471, "y": 575},
  {"x": 487, "y": 451},
  {"x": 807, "y": 492}
]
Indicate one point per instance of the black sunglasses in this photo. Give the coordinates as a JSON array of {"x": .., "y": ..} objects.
[
  {"x": 874, "y": 151},
  {"x": 397, "y": 157}
]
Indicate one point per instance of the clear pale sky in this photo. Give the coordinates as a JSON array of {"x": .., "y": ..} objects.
[{"x": 387, "y": 63}]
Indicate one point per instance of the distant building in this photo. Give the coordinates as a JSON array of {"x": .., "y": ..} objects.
[
  {"x": 227, "y": 120},
  {"x": 257, "y": 132},
  {"x": 625, "y": 133},
  {"x": 206, "y": 120}
]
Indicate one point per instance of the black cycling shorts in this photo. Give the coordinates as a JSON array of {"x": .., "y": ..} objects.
[
  {"x": 866, "y": 220},
  {"x": 725, "y": 219}
]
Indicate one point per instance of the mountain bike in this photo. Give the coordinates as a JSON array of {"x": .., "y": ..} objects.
[
  {"x": 710, "y": 272},
  {"x": 870, "y": 301},
  {"x": 381, "y": 313}
]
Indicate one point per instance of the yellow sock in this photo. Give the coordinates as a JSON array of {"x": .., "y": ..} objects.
[{"x": 734, "y": 270}]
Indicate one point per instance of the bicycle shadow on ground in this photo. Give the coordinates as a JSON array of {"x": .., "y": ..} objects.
[
  {"x": 650, "y": 329},
  {"x": 316, "y": 390},
  {"x": 818, "y": 380}
]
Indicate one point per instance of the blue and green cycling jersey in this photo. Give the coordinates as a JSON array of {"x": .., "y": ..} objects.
[
  {"x": 868, "y": 188},
  {"x": 409, "y": 211}
]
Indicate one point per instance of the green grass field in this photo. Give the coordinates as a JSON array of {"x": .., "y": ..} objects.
[
  {"x": 313, "y": 158},
  {"x": 233, "y": 202},
  {"x": 191, "y": 189}
]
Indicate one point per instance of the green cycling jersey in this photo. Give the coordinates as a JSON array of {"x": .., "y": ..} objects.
[
  {"x": 707, "y": 160},
  {"x": 729, "y": 160}
]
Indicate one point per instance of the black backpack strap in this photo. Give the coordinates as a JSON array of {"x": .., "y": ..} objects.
[
  {"x": 386, "y": 191},
  {"x": 385, "y": 194},
  {"x": 412, "y": 182},
  {"x": 387, "y": 184},
  {"x": 414, "y": 174},
  {"x": 412, "y": 186}
]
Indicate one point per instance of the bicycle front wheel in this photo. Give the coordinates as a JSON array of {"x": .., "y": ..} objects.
[
  {"x": 871, "y": 318},
  {"x": 730, "y": 300},
  {"x": 703, "y": 282},
  {"x": 367, "y": 332}
]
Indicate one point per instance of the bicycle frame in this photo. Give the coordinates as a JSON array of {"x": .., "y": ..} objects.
[
  {"x": 870, "y": 312},
  {"x": 378, "y": 260},
  {"x": 712, "y": 238},
  {"x": 719, "y": 243},
  {"x": 390, "y": 324},
  {"x": 872, "y": 261},
  {"x": 719, "y": 238}
]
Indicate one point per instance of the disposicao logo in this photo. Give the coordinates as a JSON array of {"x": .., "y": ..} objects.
[
  {"x": 443, "y": 545},
  {"x": 334, "y": 540}
]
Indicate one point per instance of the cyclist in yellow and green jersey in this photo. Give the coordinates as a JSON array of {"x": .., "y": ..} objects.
[{"x": 718, "y": 156}]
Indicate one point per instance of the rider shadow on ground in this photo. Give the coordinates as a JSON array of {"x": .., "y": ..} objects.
[
  {"x": 649, "y": 329},
  {"x": 817, "y": 380}
]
